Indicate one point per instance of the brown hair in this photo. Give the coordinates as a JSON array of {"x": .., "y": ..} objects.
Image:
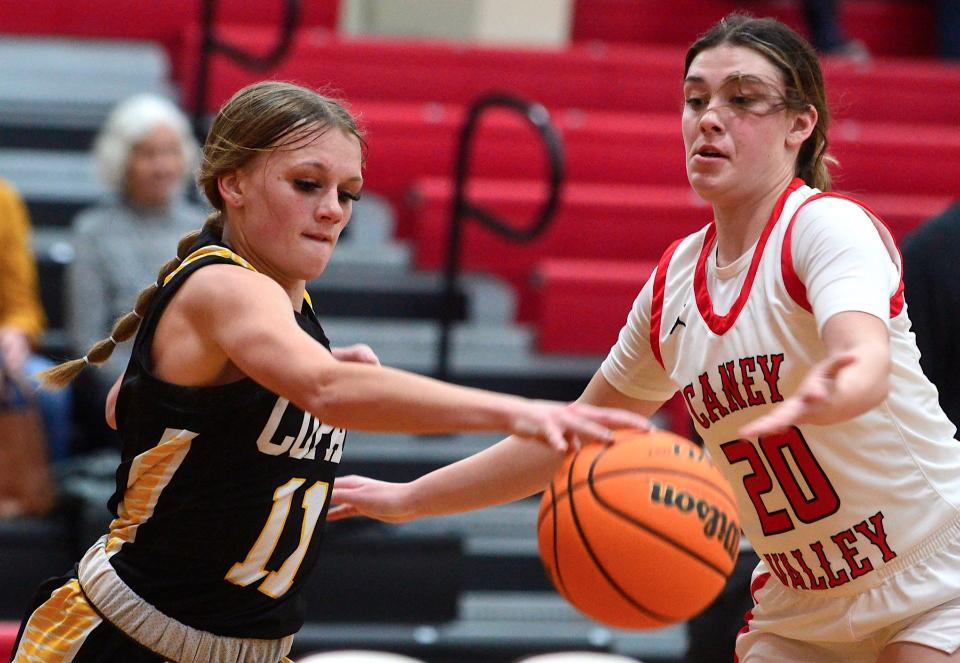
[
  {"x": 261, "y": 117},
  {"x": 798, "y": 63}
]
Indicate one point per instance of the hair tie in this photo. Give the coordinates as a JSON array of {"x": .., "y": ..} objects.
[
  {"x": 86, "y": 359},
  {"x": 113, "y": 340}
]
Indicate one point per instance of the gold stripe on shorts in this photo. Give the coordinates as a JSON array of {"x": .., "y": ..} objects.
[{"x": 57, "y": 629}]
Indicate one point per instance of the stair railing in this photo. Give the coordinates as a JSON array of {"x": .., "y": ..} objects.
[
  {"x": 462, "y": 210},
  {"x": 210, "y": 44}
]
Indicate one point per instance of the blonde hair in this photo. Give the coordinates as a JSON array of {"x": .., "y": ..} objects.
[
  {"x": 797, "y": 61},
  {"x": 262, "y": 117}
]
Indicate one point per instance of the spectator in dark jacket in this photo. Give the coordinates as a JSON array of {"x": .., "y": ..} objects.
[{"x": 932, "y": 282}]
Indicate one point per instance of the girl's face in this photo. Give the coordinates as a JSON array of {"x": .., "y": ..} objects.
[
  {"x": 156, "y": 168},
  {"x": 287, "y": 207},
  {"x": 739, "y": 137}
]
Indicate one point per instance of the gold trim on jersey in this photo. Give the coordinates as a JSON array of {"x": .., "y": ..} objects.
[
  {"x": 221, "y": 252},
  {"x": 58, "y": 628},
  {"x": 150, "y": 473}
]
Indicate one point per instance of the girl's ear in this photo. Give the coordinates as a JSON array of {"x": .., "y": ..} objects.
[
  {"x": 231, "y": 189},
  {"x": 804, "y": 122}
]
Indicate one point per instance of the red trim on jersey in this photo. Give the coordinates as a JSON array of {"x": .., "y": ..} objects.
[
  {"x": 719, "y": 324},
  {"x": 796, "y": 288},
  {"x": 743, "y": 631},
  {"x": 757, "y": 584},
  {"x": 656, "y": 306}
]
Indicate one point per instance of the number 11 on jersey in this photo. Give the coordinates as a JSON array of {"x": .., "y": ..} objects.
[{"x": 253, "y": 568}]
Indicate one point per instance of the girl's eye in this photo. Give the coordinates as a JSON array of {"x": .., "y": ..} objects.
[
  {"x": 305, "y": 185},
  {"x": 742, "y": 101},
  {"x": 346, "y": 195},
  {"x": 694, "y": 103}
]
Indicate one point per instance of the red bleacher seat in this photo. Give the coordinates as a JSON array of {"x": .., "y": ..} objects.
[
  {"x": 609, "y": 77},
  {"x": 888, "y": 27},
  {"x": 165, "y": 22},
  {"x": 408, "y": 141},
  {"x": 147, "y": 19},
  {"x": 594, "y": 221},
  {"x": 583, "y": 303},
  {"x": 8, "y": 636}
]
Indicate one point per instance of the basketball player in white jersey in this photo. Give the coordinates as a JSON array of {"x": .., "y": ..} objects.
[{"x": 783, "y": 325}]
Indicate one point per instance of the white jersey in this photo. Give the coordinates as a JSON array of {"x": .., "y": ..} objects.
[{"x": 835, "y": 508}]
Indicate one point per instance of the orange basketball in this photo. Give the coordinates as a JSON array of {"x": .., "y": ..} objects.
[{"x": 641, "y": 533}]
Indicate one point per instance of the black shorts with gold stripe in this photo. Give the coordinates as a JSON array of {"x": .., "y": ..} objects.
[{"x": 61, "y": 625}]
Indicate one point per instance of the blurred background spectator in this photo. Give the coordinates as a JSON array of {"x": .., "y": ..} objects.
[
  {"x": 146, "y": 155},
  {"x": 932, "y": 289},
  {"x": 22, "y": 319},
  {"x": 947, "y": 22},
  {"x": 826, "y": 33}
]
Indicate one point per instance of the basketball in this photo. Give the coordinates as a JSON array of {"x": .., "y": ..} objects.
[{"x": 641, "y": 533}]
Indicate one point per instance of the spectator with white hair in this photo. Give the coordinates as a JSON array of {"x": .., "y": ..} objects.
[{"x": 146, "y": 155}]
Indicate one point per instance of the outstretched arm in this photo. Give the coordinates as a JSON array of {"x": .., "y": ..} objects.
[
  {"x": 854, "y": 377},
  {"x": 201, "y": 338},
  {"x": 512, "y": 469}
]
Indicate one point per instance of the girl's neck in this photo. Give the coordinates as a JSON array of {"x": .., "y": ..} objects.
[
  {"x": 237, "y": 241},
  {"x": 741, "y": 222}
]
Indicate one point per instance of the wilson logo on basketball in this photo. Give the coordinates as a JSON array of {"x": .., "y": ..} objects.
[
  {"x": 717, "y": 524},
  {"x": 694, "y": 453}
]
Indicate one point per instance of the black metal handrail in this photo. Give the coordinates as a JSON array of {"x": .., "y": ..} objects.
[
  {"x": 463, "y": 210},
  {"x": 210, "y": 44}
]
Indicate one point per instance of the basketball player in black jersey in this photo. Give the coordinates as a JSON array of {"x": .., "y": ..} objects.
[{"x": 233, "y": 410}]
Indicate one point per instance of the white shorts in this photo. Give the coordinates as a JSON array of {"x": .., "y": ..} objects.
[{"x": 919, "y": 603}]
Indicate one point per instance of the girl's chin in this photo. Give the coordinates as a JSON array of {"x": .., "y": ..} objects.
[
  {"x": 306, "y": 270},
  {"x": 706, "y": 186}
]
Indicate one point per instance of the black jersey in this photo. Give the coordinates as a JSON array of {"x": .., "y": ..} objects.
[{"x": 222, "y": 491}]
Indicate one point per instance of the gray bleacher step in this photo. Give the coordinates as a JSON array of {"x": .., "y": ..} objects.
[
  {"x": 70, "y": 82},
  {"x": 499, "y": 546},
  {"x": 433, "y": 448},
  {"x": 55, "y": 185},
  {"x": 67, "y": 133},
  {"x": 386, "y": 259},
  {"x": 476, "y": 348},
  {"x": 43, "y": 175},
  {"x": 548, "y": 612},
  {"x": 513, "y": 526},
  {"x": 379, "y": 288},
  {"x": 499, "y": 543},
  {"x": 400, "y": 457},
  {"x": 500, "y": 626}
]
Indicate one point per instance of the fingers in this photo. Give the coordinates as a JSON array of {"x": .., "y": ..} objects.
[
  {"x": 814, "y": 392},
  {"x": 835, "y": 364},
  {"x": 343, "y": 489},
  {"x": 613, "y": 418},
  {"x": 779, "y": 419},
  {"x": 366, "y": 355},
  {"x": 555, "y": 436},
  {"x": 346, "y": 482},
  {"x": 360, "y": 353},
  {"x": 588, "y": 429},
  {"x": 766, "y": 425},
  {"x": 14, "y": 348},
  {"x": 567, "y": 427},
  {"x": 342, "y": 512}
]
